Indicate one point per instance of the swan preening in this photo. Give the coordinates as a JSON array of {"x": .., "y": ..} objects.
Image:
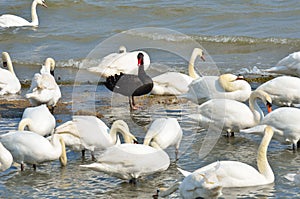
[
  {"x": 174, "y": 83},
  {"x": 121, "y": 62},
  {"x": 225, "y": 86},
  {"x": 9, "y": 82},
  {"x": 130, "y": 161},
  {"x": 38, "y": 119},
  {"x": 8, "y": 20},
  {"x": 44, "y": 89},
  {"x": 164, "y": 132},
  {"x": 231, "y": 115},
  {"x": 289, "y": 65},
  {"x": 208, "y": 180},
  {"x": 285, "y": 123},
  {"x": 92, "y": 133},
  {"x": 284, "y": 90}
]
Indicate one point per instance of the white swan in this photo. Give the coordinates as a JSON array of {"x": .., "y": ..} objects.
[
  {"x": 38, "y": 119},
  {"x": 285, "y": 123},
  {"x": 9, "y": 82},
  {"x": 6, "y": 158},
  {"x": 174, "y": 83},
  {"x": 44, "y": 89},
  {"x": 195, "y": 185},
  {"x": 294, "y": 177},
  {"x": 289, "y": 65},
  {"x": 231, "y": 115},
  {"x": 284, "y": 90},
  {"x": 92, "y": 134},
  {"x": 31, "y": 148},
  {"x": 225, "y": 86},
  {"x": 238, "y": 174},
  {"x": 120, "y": 62},
  {"x": 130, "y": 161},
  {"x": 9, "y": 20},
  {"x": 164, "y": 132}
]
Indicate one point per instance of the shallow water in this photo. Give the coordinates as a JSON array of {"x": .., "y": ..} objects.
[{"x": 238, "y": 38}]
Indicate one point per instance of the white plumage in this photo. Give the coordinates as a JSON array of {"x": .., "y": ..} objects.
[
  {"x": 130, "y": 161},
  {"x": 164, "y": 132},
  {"x": 92, "y": 133},
  {"x": 8, "y": 20},
  {"x": 285, "y": 123},
  {"x": 9, "y": 82},
  {"x": 174, "y": 83},
  {"x": 6, "y": 158},
  {"x": 121, "y": 62},
  {"x": 228, "y": 174},
  {"x": 38, "y": 119},
  {"x": 44, "y": 89},
  {"x": 225, "y": 86},
  {"x": 31, "y": 148},
  {"x": 284, "y": 90},
  {"x": 290, "y": 65},
  {"x": 231, "y": 115}
]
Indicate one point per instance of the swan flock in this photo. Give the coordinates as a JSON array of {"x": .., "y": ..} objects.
[{"x": 226, "y": 102}]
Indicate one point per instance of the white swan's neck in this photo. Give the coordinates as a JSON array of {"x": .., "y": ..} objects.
[
  {"x": 63, "y": 157},
  {"x": 191, "y": 67},
  {"x": 6, "y": 58},
  {"x": 165, "y": 192},
  {"x": 23, "y": 123},
  {"x": 34, "y": 17},
  {"x": 262, "y": 162},
  {"x": 118, "y": 127},
  {"x": 49, "y": 65},
  {"x": 256, "y": 110}
]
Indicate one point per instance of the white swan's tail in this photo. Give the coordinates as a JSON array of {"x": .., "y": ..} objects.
[
  {"x": 183, "y": 172},
  {"x": 290, "y": 176}
]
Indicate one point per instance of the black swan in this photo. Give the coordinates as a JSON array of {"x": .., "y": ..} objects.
[{"x": 131, "y": 85}]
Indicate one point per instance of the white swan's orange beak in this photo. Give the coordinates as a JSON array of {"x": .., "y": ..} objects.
[{"x": 269, "y": 107}]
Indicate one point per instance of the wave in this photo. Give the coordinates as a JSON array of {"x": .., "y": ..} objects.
[{"x": 244, "y": 40}]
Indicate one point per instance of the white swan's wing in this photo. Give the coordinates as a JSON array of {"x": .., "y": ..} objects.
[
  {"x": 116, "y": 63},
  {"x": 8, "y": 20},
  {"x": 9, "y": 83},
  {"x": 234, "y": 174},
  {"x": 43, "y": 122},
  {"x": 289, "y": 65},
  {"x": 283, "y": 90},
  {"x": 155, "y": 128},
  {"x": 6, "y": 158},
  {"x": 129, "y": 161},
  {"x": 93, "y": 132},
  {"x": 292, "y": 61},
  {"x": 171, "y": 83}
]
